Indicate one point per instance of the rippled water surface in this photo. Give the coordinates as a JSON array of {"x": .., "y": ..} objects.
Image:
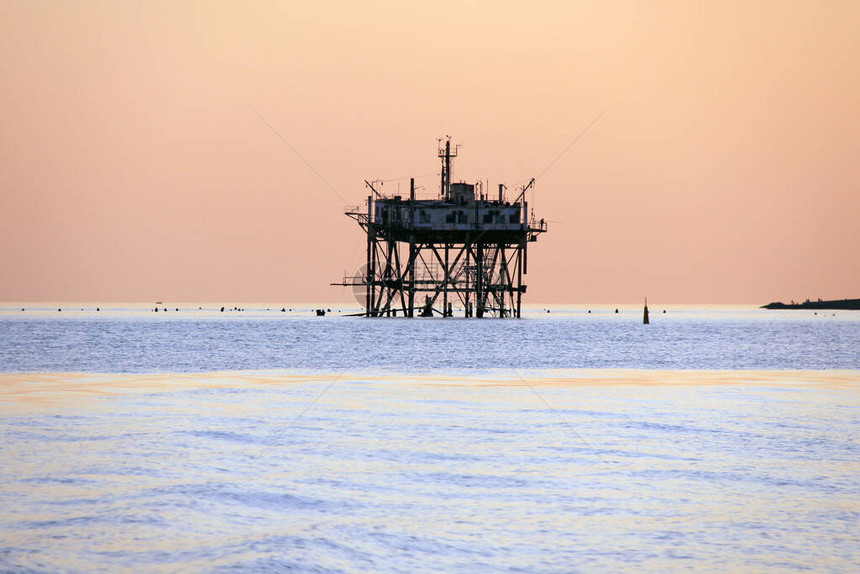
[{"x": 716, "y": 441}]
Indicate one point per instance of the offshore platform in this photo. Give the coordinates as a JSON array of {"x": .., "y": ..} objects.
[{"x": 462, "y": 245}]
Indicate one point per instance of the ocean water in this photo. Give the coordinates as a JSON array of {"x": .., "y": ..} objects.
[
  {"x": 720, "y": 439},
  {"x": 137, "y": 340}
]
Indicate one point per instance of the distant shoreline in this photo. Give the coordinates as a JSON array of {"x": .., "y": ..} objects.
[{"x": 842, "y": 304}]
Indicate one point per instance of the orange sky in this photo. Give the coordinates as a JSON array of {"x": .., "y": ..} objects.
[{"x": 133, "y": 167}]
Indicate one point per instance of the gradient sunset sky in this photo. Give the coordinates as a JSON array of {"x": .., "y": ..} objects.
[{"x": 134, "y": 166}]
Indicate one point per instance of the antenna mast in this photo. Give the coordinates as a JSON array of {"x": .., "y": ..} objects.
[{"x": 446, "y": 155}]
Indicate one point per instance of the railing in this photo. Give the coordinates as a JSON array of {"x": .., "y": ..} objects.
[
  {"x": 353, "y": 280},
  {"x": 535, "y": 225},
  {"x": 360, "y": 216}
]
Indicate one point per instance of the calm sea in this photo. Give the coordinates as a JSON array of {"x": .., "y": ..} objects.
[{"x": 713, "y": 439}]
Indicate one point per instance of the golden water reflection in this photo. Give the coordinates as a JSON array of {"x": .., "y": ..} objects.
[{"x": 34, "y": 390}]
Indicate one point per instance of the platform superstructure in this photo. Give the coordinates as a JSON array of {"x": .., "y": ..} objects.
[{"x": 463, "y": 246}]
